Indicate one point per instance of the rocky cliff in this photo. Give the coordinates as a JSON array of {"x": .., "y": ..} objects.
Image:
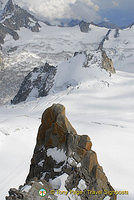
[
  {"x": 36, "y": 84},
  {"x": 65, "y": 160}
]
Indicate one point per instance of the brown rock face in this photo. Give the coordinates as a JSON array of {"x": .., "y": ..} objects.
[
  {"x": 53, "y": 133},
  {"x": 54, "y": 128},
  {"x": 107, "y": 63},
  {"x": 59, "y": 149}
]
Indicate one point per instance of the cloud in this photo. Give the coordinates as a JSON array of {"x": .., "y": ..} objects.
[
  {"x": 85, "y": 9},
  {"x": 54, "y": 9}
]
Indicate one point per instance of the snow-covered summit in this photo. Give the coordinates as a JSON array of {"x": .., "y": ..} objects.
[{"x": 84, "y": 68}]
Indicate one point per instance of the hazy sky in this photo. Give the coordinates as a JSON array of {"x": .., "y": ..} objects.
[{"x": 117, "y": 11}]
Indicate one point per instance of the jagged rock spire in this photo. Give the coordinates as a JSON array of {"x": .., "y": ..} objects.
[
  {"x": 60, "y": 152},
  {"x": 59, "y": 149}
]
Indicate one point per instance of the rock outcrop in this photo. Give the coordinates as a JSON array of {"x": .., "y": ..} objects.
[
  {"x": 61, "y": 152},
  {"x": 36, "y": 84},
  {"x": 84, "y": 27},
  {"x": 117, "y": 33},
  {"x": 107, "y": 63}
]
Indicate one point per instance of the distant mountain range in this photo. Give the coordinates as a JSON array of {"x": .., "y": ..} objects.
[
  {"x": 75, "y": 22},
  {"x": 7, "y": 8},
  {"x": 108, "y": 25}
]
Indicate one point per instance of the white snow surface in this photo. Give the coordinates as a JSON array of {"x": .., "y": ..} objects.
[
  {"x": 82, "y": 185},
  {"x": 56, "y": 183},
  {"x": 73, "y": 72},
  {"x": 57, "y": 154},
  {"x": 104, "y": 113}
]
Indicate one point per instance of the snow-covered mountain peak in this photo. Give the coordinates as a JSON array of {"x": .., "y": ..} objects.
[{"x": 84, "y": 68}]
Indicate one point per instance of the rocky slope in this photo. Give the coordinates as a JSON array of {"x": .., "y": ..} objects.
[
  {"x": 41, "y": 81},
  {"x": 36, "y": 84},
  {"x": 65, "y": 160}
]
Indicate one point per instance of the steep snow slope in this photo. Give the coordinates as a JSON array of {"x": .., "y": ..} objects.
[
  {"x": 52, "y": 44},
  {"x": 98, "y": 105}
]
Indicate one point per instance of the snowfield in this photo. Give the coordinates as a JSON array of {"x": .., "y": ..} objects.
[
  {"x": 96, "y": 104},
  {"x": 121, "y": 49},
  {"x": 104, "y": 113},
  {"x": 52, "y": 44}
]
